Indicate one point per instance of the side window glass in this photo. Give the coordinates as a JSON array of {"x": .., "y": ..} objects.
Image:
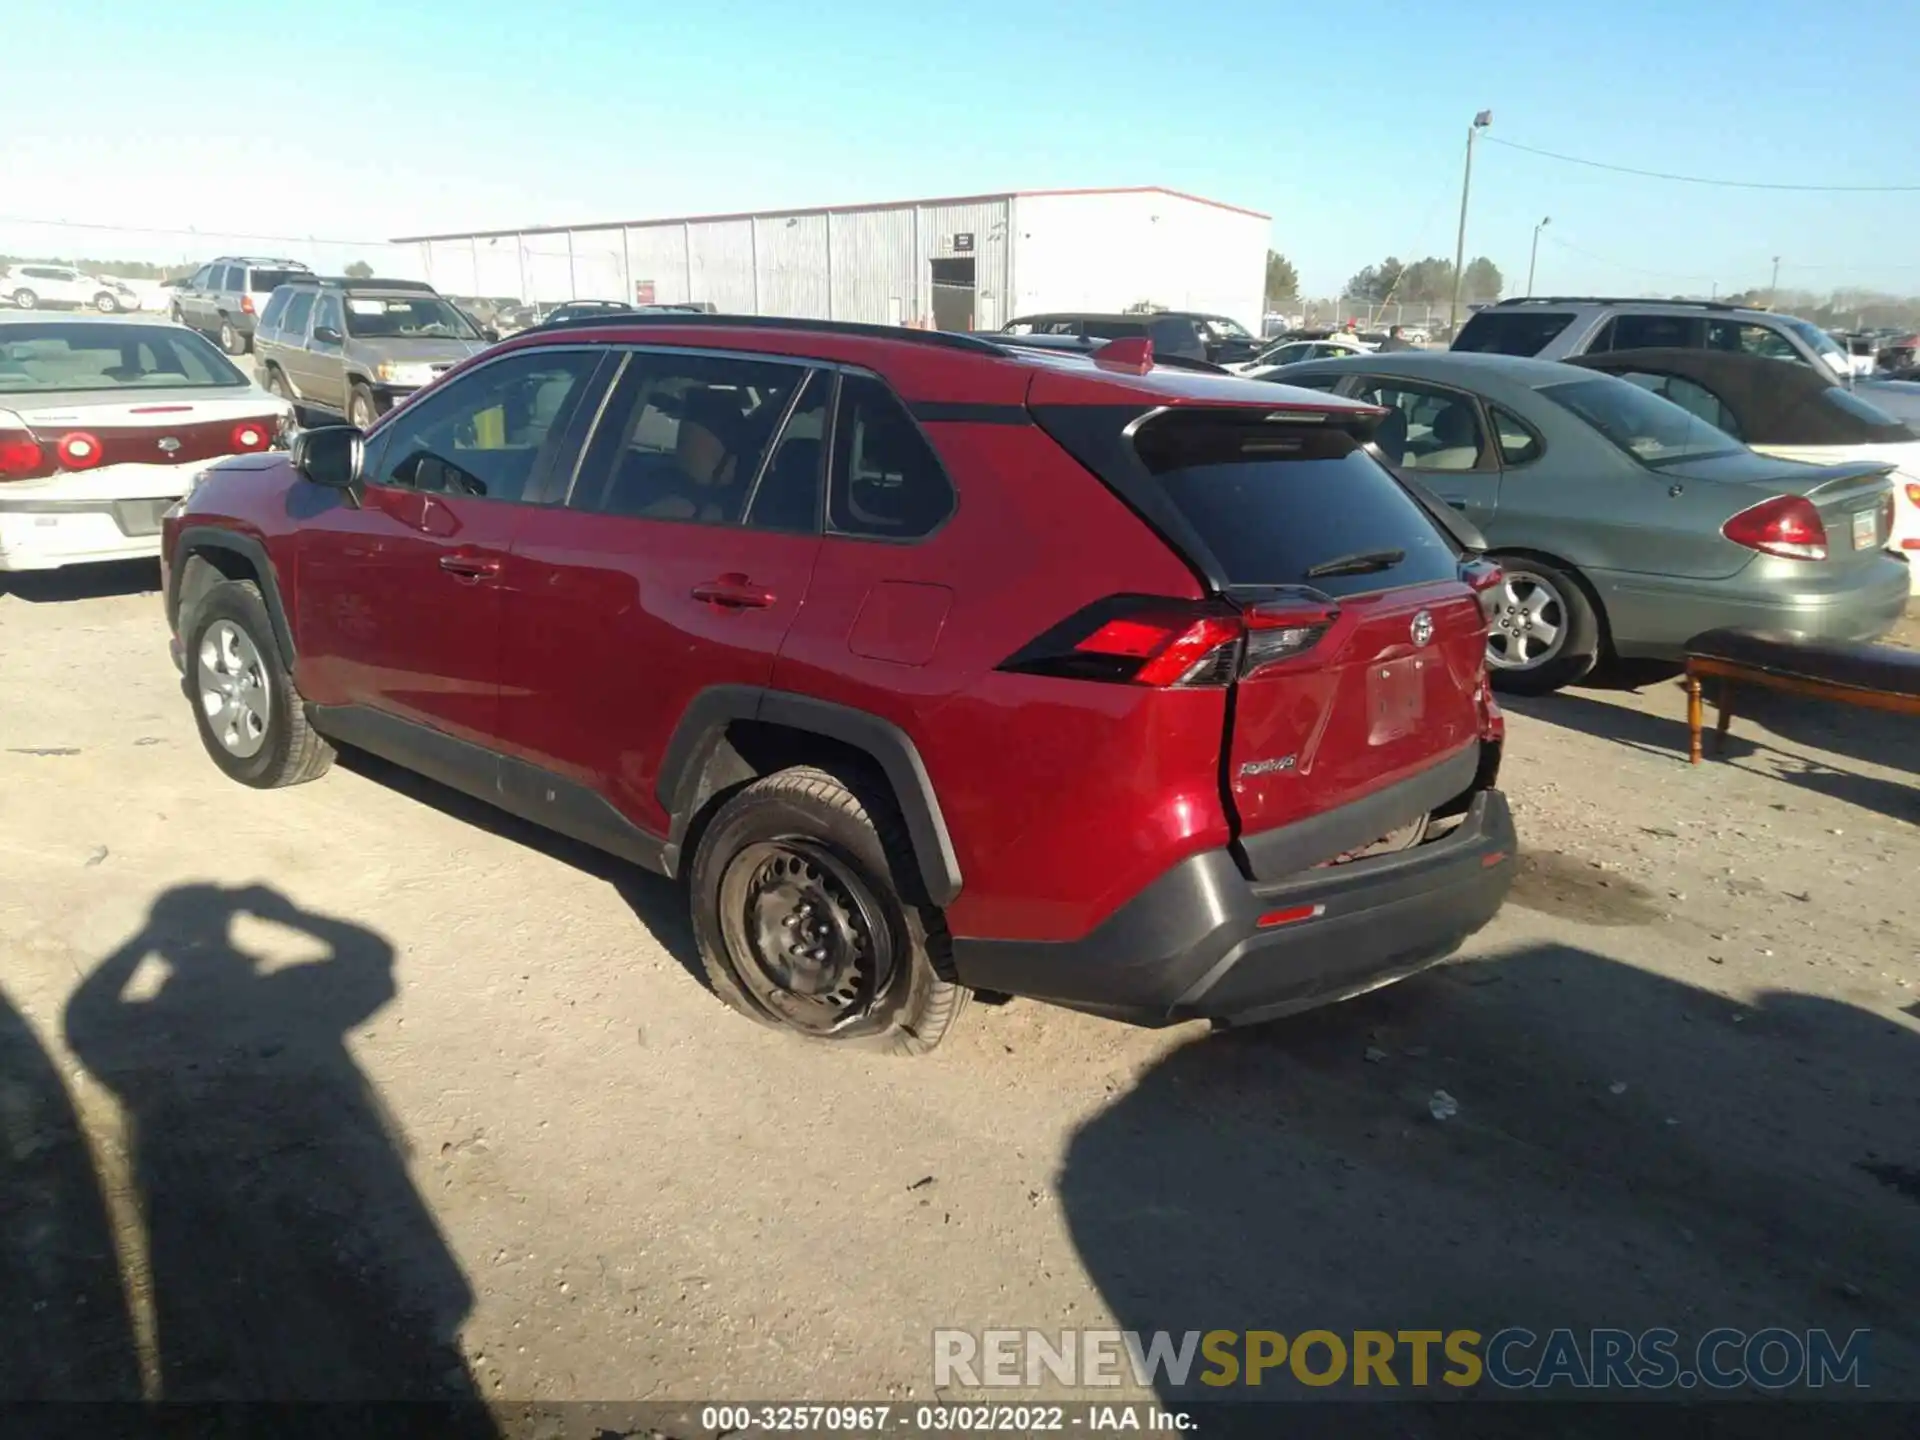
[
  {"x": 1426, "y": 429},
  {"x": 329, "y": 314},
  {"x": 887, "y": 484},
  {"x": 683, "y": 438},
  {"x": 1690, "y": 396},
  {"x": 1312, "y": 382},
  {"x": 1517, "y": 440},
  {"x": 485, "y": 435},
  {"x": 787, "y": 495},
  {"x": 293, "y": 325},
  {"x": 276, "y": 307},
  {"x": 1655, "y": 332},
  {"x": 223, "y": 277}
]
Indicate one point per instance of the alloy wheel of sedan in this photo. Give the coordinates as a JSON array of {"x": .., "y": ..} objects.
[
  {"x": 233, "y": 689},
  {"x": 1530, "y": 624}
]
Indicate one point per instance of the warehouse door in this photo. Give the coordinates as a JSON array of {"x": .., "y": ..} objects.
[{"x": 953, "y": 293}]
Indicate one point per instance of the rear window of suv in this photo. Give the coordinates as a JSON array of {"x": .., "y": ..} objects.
[
  {"x": 1276, "y": 503},
  {"x": 265, "y": 282},
  {"x": 1512, "y": 332}
]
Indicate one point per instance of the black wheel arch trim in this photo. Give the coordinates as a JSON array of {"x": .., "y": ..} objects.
[
  {"x": 199, "y": 538},
  {"x": 703, "y": 725}
]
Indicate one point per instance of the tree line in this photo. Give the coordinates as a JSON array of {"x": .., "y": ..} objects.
[{"x": 1425, "y": 281}]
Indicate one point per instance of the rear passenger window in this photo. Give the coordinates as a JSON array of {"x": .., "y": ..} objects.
[
  {"x": 1518, "y": 442},
  {"x": 1425, "y": 428},
  {"x": 887, "y": 483},
  {"x": 276, "y": 307},
  {"x": 293, "y": 325},
  {"x": 1650, "y": 332},
  {"x": 684, "y": 436},
  {"x": 787, "y": 494}
]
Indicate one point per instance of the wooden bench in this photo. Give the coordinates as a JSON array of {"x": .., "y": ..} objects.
[{"x": 1878, "y": 677}]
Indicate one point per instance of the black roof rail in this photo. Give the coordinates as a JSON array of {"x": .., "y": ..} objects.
[
  {"x": 945, "y": 339},
  {"x": 1513, "y": 300}
]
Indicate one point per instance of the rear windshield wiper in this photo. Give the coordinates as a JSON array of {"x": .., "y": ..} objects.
[{"x": 1362, "y": 562}]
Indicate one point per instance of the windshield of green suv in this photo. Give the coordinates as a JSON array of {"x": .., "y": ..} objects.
[
  {"x": 406, "y": 317},
  {"x": 1653, "y": 431},
  {"x": 44, "y": 356}
]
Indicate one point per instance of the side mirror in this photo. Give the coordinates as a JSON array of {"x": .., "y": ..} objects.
[
  {"x": 327, "y": 335},
  {"x": 333, "y": 456},
  {"x": 489, "y": 334}
]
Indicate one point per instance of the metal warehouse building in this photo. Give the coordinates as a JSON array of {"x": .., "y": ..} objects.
[{"x": 972, "y": 262}]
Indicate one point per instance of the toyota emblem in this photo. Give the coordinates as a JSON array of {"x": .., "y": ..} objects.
[
  {"x": 1422, "y": 628},
  {"x": 169, "y": 445}
]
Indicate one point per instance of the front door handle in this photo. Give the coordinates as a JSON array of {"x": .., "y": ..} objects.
[
  {"x": 466, "y": 565},
  {"x": 1458, "y": 504},
  {"x": 733, "y": 592}
]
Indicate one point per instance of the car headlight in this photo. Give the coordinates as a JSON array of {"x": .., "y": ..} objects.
[{"x": 396, "y": 372}]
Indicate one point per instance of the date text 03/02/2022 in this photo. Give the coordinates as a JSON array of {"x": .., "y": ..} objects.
[{"x": 941, "y": 1419}]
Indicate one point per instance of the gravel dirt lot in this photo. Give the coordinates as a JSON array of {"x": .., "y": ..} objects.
[{"x": 389, "y": 1094}]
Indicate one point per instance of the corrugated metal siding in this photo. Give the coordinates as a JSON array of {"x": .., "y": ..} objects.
[
  {"x": 549, "y": 270},
  {"x": 450, "y": 266},
  {"x": 598, "y": 260},
  {"x": 720, "y": 255},
  {"x": 497, "y": 274},
  {"x": 791, "y": 253},
  {"x": 658, "y": 254},
  {"x": 875, "y": 274},
  {"x": 939, "y": 227}
]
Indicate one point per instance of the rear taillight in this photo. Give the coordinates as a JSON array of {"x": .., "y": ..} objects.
[
  {"x": 21, "y": 456},
  {"x": 1786, "y": 525},
  {"x": 246, "y": 305},
  {"x": 1175, "y": 644},
  {"x": 79, "y": 451},
  {"x": 252, "y": 435},
  {"x": 1487, "y": 581},
  {"x": 1913, "y": 494}
]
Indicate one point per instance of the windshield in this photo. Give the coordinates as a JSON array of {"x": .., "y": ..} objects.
[
  {"x": 44, "y": 356},
  {"x": 1653, "y": 431},
  {"x": 409, "y": 317},
  {"x": 1219, "y": 327},
  {"x": 1821, "y": 342}
]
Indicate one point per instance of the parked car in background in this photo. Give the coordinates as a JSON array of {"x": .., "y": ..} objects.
[
  {"x": 224, "y": 299},
  {"x": 357, "y": 348},
  {"x": 1557, "y": 328},
  {"x": 1173, "y": 332},
  {"x": 1292, "y": 352},
  {"x": 1791, "y": 411},
  {"x": 932, "y": 664},
  {"x": 1625, "y": 524},
  {"x": 1898, "y": 355},
  {"x": 102, "y": 423},
  {"x": 61, "y": 287}
]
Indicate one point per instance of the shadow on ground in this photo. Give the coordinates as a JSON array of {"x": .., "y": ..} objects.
[
  {"x": 283, "y": 1252},
  {"x": 1628, "y": 1151},
  {"x": 82, "y": 582},
  {"x": 658, "y": 903},
  {"x": 1869, "y": 736}
]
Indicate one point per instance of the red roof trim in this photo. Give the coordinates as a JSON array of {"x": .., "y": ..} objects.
[{"x": 821, "y": 210}]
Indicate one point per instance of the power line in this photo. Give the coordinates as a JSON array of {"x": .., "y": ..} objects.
[
  {"x": 1700, "y": 179},
  {"x": 1555, "y": 240},
  {"x": 196, "y": 234}
]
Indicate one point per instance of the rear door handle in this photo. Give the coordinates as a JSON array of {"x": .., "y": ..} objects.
[
  {"x": 1458, "y": 504},
  {"x": 468, "y": 566},
  {"x": 733, "y": 592}
]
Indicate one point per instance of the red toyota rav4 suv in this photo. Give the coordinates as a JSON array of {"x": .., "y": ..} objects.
[{"x": 931, "y": 663}]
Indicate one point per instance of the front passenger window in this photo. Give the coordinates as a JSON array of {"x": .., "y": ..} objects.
[{"x": 486, "y": 435}]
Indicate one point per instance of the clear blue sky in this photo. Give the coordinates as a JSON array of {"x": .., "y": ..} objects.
[{"x": 1345, "y": 121}]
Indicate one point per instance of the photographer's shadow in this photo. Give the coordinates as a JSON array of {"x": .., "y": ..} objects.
[{"x": 290, "y": 1256}]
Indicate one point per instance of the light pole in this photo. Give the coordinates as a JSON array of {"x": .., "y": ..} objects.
[
  {"x": 1534, "y": 258},
  {"x": 1773, "y": 289},
  {"x": 1480, "y": 122}
]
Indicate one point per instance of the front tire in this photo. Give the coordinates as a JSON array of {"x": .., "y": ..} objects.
[
  {"x": 1545, "y": 633},
  {"x": 25, "y": 299},
  {"x": 361, "y": 411},
  {"x": 250, "y": 716},
  {"x": 106, "y": 303},
  {"x": 801, "y": 926}
]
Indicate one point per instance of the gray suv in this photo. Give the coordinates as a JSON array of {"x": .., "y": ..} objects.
[
  {"x": 223, "y": 299},
  {"x": 358, "y": 347},
  {"x": 1557, "y": 327}
]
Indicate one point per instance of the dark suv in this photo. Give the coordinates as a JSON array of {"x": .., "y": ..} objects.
[
  {"x": 930, "y": 664},
  {"x": 1182, "y": 333}
]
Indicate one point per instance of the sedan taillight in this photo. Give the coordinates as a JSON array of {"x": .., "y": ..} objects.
[{"x": 22, "y": 457}]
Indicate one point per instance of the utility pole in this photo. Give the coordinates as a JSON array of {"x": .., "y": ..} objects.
[
  {"x": 1534, "y": 258},
  {"x": 1480, "y": 122},
  {"x": 1773, "y": 290}
]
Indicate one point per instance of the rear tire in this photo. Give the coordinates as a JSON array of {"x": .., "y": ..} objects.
[
  {"x": 251, "y": 718},
  {"x": 106, "y": 303},
  {"x": 801, "y": 926},
  {"x": 25, "y": 299},
  {"x": 1545, "y": 634},
  {"x": 231, "y": 340}
]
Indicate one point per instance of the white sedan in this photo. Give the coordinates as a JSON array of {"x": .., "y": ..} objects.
[
  {"x": 1295, "y": 352},
  {"x": 103, "y": 422}
]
